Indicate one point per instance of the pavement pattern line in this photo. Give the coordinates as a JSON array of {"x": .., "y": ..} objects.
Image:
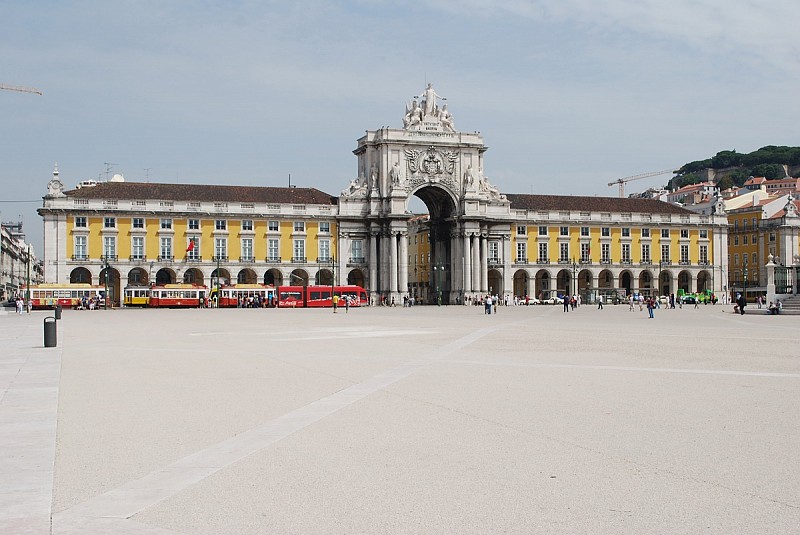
[
  {"x": 626, "y": 368},
  {"x": 29, "y": 378},
  {"x": 132, "y": 497}
]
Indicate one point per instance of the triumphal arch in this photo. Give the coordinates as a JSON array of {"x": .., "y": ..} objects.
[{"x": 430, "y": 159}]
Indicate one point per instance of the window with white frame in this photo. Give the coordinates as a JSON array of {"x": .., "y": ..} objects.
[
  {"x": 605, "y": 253},
  {"x": 703, "y": 254},
  {"x": 645, "y": 233},
  {"x": 626, "y": 253},
  {"x": 166, "y": 248},
  {"x": 299, "y": 250},
  {"x": 324, "y": 254},
  {"x": 194, "y": 224},
  {"x": 736, "y": 239},
  {"x": 324, "y": 227},
  {"x": 563, "y": 252},
  {"x": 736, "y": 259},
  {"x": 522, "y": 253},
  {"x": 193, "y": 248},
  {"x": 357, "y": 250},
  {"x": 247, "y": 249},
  {"x": 684, "y": 233},
  {"x": 166, "y": 224},
  {"x": 522, "y": 230},
  {"x": 543, "y": 257},
  {"x": 585, "y": 231},
  {"x": 585, "y": 252},
  {"x": 542, "y": 230},
  {"x": 273, "y": 226},
  {"x": 109, "y": 222},
  {"x": 704, "y": 234},
  {"x": 745, "y": 239},
  {"x": 247, "y": 224},
  {"x": 646, "y": 252},
  {"x": 665, "y": 233},
  {"x": 220, "y": 248},
  {"x": 273, "y": 250},
  {"x": 109, "y": 247},
  {"x": 626, "y": 232},
  {"x": 80, "y": 248},
  {"x": 137, "y": 247},
  {"x": 605, "y": 232},
  {"x": 755, "y": 259},
  {"x": 665, "y": 253},
  {"x": 138, "y": 222},
  {"x": 80, "y": 222},
  {"x": 494, "y": 252},
  {"x": 563, "y": 231},
  {"x": 221, "y": 224},
  {"x": 299, "y": 226},
  {"x": 684, "y": 254}
]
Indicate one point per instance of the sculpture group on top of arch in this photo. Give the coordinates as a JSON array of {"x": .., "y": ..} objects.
[{"x": 438, "y": 164}]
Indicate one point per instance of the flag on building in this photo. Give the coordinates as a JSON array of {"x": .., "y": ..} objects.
[{"x": 191, "y": 246}]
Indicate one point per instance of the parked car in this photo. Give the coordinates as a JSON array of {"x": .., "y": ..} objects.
[
  {"x": 688, "y": 299},
  {"x": 664, "y": 300},
  {"x": 555, "y": 300}
]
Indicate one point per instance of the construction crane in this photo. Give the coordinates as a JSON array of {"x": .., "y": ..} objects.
[
  {"x": 20, "y": 89},
  {"x": 622, "y": 181}
]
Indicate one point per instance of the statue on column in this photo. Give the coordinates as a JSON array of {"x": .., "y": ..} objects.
[{"x": 395, "y": 174}]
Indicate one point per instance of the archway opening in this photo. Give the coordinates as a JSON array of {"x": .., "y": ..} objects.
[
  {"x": 80, "y": 275},
  {"x": 273, "y": 277},
  {"x": 247, "y": 276},
  {"x": 193, "y": 276},
  {"x": 356, "y": 278},
  {"x": 165, "y": 276},
  {"x": 433, "y": 240}
]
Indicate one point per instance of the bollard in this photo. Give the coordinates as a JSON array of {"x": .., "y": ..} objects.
[
  {"x": 50, "y": 332},
  {"x": 58, "y": 311}
]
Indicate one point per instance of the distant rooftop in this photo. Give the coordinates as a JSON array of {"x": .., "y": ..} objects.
[{"x": 592, "y": 204}]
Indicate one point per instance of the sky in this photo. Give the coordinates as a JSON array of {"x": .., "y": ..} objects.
[{"x": 567, "y": 94}]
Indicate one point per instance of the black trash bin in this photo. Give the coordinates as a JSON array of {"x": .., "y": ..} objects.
[
  {"x": 50, "y": 332},
  {"x": 58, "y": 311}
]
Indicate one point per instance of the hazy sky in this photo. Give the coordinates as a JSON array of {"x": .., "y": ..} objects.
[{"x": 568, "y": 94}]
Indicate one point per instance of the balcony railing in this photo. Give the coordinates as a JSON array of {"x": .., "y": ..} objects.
[
  {"x": 585, "y": 262},
  {"x": 109, "y": 258},
  {"x": 605, "y": 261},
  {"x": 542, "y": 261},
  {"x": 273, "y": 259},
  {"x": 684, "y": 263},
  {"x": 625, "y": 262},
  {"x": 298, "y": 260},
  {"x": 246, "y": 259},
  {"x": 645, "y": 263},
  {"x": 196, "y": 258},
  {"x": 80, "y": 257},
  {"x": 358, "y": 260},
  {"x": 521, "y": 261},
  {"x": 168, "y": 258},
  {"x": 137, "y": 258},
  {"x": 220, "y": 258}
]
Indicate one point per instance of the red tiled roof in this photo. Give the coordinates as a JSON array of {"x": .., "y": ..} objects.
[
  {"x": 592, "y": 204},
  {"x": 202, "y": 192}
]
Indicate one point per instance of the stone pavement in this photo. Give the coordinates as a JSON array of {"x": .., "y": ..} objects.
[{"x": 392, "y": 420}]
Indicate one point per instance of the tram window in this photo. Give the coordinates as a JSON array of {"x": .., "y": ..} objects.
[{"x": 316, "y": 296}]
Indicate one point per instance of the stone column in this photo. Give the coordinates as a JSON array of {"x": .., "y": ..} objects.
[
  {"x": 508, "y": 284},
  {"x": 373, "y": 265},
  {"x": 392, "y": 264},
  {"x": 467, "y": 264},
  {"x": 484, "y": 264},
  {"x": 403, "y": 264},
  {"x": 476, "y": 263},
  {"x": 770, "y": 269}
]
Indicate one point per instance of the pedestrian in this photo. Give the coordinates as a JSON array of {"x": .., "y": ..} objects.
[
  {"x": 599, "y": 302},
  {"x": 741, "y": 302},
  {"x": 346, "y": 304},
  {"x": 630, "y": 302},
  {"x": 488, "y": 305},
  {"x": 335, "y": 303},
  {"x": 566, "y": 302},
  {"x": 650, "y": 306}
]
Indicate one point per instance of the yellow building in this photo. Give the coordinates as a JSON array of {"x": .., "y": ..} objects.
[
  {"x": 146, "y": 233},
  {"x": 766, "y": 230}
]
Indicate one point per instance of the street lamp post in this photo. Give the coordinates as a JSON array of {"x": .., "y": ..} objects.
[
  {"x": 28, "y": 282},
  {"x": 574, "y": 277},
  {"x": 745, "y": 285},
  {"x": 105, "y": 280},
  {"x": 437, "y": 270}
]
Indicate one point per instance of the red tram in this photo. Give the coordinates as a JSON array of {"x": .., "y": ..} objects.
[
  {"x": 230, "y": 296},
  {"x": 178, "y": 296},
  {"x": 319, "y": 296}
]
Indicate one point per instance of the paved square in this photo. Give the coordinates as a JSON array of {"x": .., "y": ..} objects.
[{"x": 393, "y": 420}]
